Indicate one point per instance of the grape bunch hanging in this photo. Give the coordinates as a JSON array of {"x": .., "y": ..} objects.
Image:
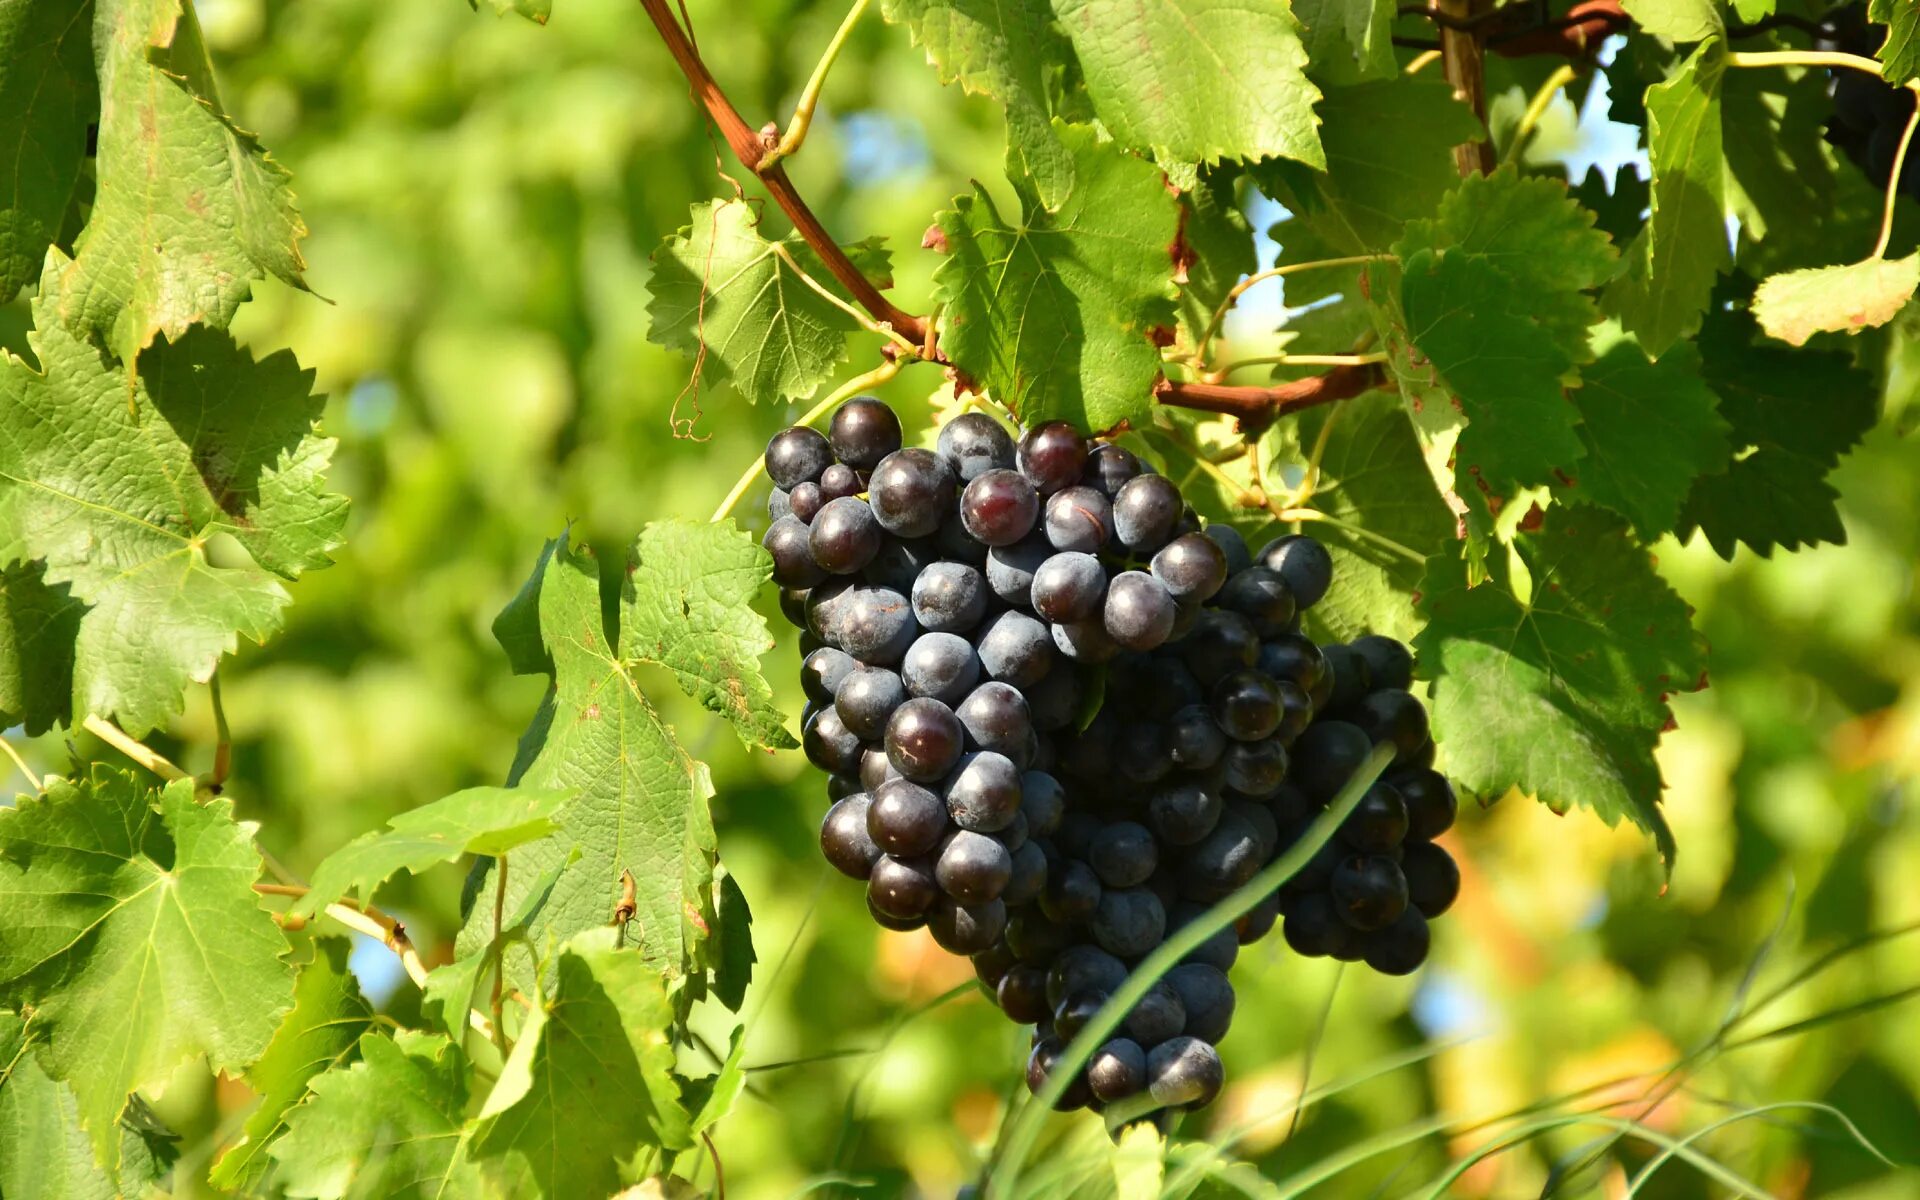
[{"x": 1060, "y": 719}]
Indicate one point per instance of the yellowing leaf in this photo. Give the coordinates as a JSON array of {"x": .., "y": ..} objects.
[{"x": 1798, "y": 304}]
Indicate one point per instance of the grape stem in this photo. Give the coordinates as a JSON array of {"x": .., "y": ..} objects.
[
  {"x": 1024, "y": 1128},
  {"x": 1463, "y": 59},
  {"x": 223, "y": 736},
  {"x": 1359, "y": 531},
  {"x": 134, "y": 749},
  {"x": 810, "y": 95},
  {"x": 860, "y": 318},
  {"x": 33, "y": 781},
  {"x": 859, "y": 383},
  {"x": 1536, "y": 109},
  {"x": 1258, "y": 277},
  {"x": 1893, "y": 180},
  {"x": 500, "y": 968},
  {"x": 1220, "y": 374}
]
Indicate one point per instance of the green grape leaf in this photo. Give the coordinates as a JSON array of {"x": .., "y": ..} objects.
[
  {"x": 517, "y": 627},
  {"x": 189, "y": 209},
  {"x": 1770, "y": 497},
  {"x": 1537, "y": 235},
  {"x": 48, "y": 94},
  {"x": 735, "y": 302},
  {"x": 590, "y": 1080},
  {"x": 689, "y": 610},
  {"x": 39, "y": 623},
  {"x": 1753, "y": 10},
  {"x": 1901, "y": 51},
  {"x": 1051, "y": 313},
  {"x": 1371, "y": 480},
  {"x": 1677, "y": 20},
  {"x": 128, "y": 922},
  {"x": 44, "y": 1153},
  {"x": 1363, "y": 201},
  {"x": 1561, "y": 694},
  {"x": 388, "y": 1125},
  {"x": 1348, "y": 41},
  {"x": 448, "y": 996},
  {"x": 1798, "y": 304},
  {"x": 1477, "y": 328},
  {"x": 1649, "y": 428},
  {"x": 321, "y": 1032},
  {"x": 1672, "y": 264},
  {"x": 733, "y": 955},
  {"x": 537, "y": 11},
  {"x": 481, "y": 820},
  {"x": 119, "y": 492},
  {"x": 1778, "y": 169},
  {"x": 712, "y": 1098},
  {"x": 1197, "y": 80},
  {"x": 640, "y": 800},
  {"x": 1215, "y": 248},
  {"x": 1008, "y": 51}
]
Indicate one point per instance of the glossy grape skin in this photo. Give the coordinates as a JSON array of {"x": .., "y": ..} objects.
[
  {"x": 1138, "y": 613},
  {"x": 866, "y": 700},
  {"x": 1141, "y": 755},
  {"x": 1192, "y": 568},
  {"x": 1221, "y": 642},
  {"x": 1194, "y": 738},
  {"x": 1184, "y": 812},
  {"x": 973, "y": 868},
  {"x": 1158, "y": 1016},
  {"x": 902, "y": 888},
  {"x": 1389, "y": 662},
  {"x": 1294, "y": 659},
  {"x": 1085, "y": 641},
  {"x": 1325, "y": 756},
  {"x": 996, "y": 717},
  {"x": 844, "y": 839},
  {"x": 1369, "y": 891},
  {"x": 793, "y": 606},
  {"x": 924, "y": 739},
  {"x": 949, "y": 597},
  {"x": 844, "y": 536},
  {"x": 1145, "y": 511},
  {"x": 1257, "y": 922},
  {"x": 1078, "y": 518},
  {"x": 1184, "y": 1072},
  {"x": 863, "y": 431},
  {"x": 1232, "y": 545},
  {"x": 1036, "y": 939},
  {"x": 966, "y": 928},
  {"x": 905, "y": 819},
  {"x": 830, "y": 745},
  {"x": 1073, "y": 1013},
  {"x": 974, "y": 443},
  {"x": 788, "y": 540},
  {"x": 1263, "y": 598},
  {"x": 1109, "y": 467},
  {"x": 1394, "y": 716},
  {"x": 1010, "y": 569},
  {"x": 1117, "y": 1070},
  {"x": 875, "y": 625},
  {"x": 991, "y": 965},
  {"x": 999, "y": 508},
  {"x": 1378, "y": 823},
  {"x": 1128, "y": 921},
  {"x": 1302, "y": 563},
  {"x": 1016, "y": 649},
  {"x": 1043, "y": 802},
  {"x": 801, "y": 503},
  {"x": 1207, "y": 997},
  {"x": 1433, "y": 878},
  {"x": 823, "y": 671},
  {"x": 900, "y": 562},
  {"x": 797, "y": 455},
  {"x": 1072, "y": 892},
  {"x": 911, "y": 492},
  {"x": 875, "y": 769},
  {"x": 1083, "y": 968},
  {"x": 1029, "y": 876},
  {"x": 1068, "y": 586},
  {"x": 1313, "y": 927},
  {"x": 1226, "y": 858},
  {"x": 1255, "y": 769},
  {"x": 983, "y": 793},
  {"x": 1246, "y": 705},
  {"x": 1351, "y": 678},
  {"x": 941, "y": 665},
  {"x": 839, "y": 480},
  {"x": 1022, "y": 994},
  {"x": 1040, "y": 1066},
  {"x": 1431, "y": 806},
  {"x": 1123, "y": 854},
  {"x": 1051, "y": 456},
  {"x": 1399, "y": 948},
  {"x": 839, "y": 787}
]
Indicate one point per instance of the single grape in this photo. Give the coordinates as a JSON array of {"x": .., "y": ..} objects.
[
  {"x": 1255, "y": 769},
  {"x": 1262, "y": 597},
  {"x": 875, "y": 625},
  {"x": 840, "y": 480},
  {"x": 1128, "y": 921},
  {"x": 905, "y": 819},
  {"x": 1184, "y": 1072},
  {"x": 793, "y": 606},
  {"x": 1073, "y": 1013},
  {"x": 826, "y": 607},
  {"x": 983, "y": 793},
  {"x": 1016, "y": 649},
  {"x": 1145, "y": 511},
  {"x": 800, "y": 504},
  {"x": 1123, "y": 854},
  {"x": 999, "y": 508},
  {"x": 1052, "y": 456},
  {"x": 1142, "y": 756},
  {"x": 1072, "y": 892},
  {"x": 1379, "y": 823},
  {"x": 1055, "y": 701},
  {"x": 973, "y": 868},
  {"x": 1083, "y": 968},
  {"x": 1401, "y": 947},
  {"x": 844, "y": 536},
  {"x": 1139, "y": 611},
  {"x": 1014, "y": 835},
  {"x": 844, "y": 838},
  {"x": 1266, "y": 830},
  {"x": 966, "y": 928},
  {"x": 875, "y": 769},
  {"x": 1246, "y": 705},
  {"x": 1040, "y": 1066},
  {"x": 1302, "y": 563},
  {"x": 1184, "y": 812},
  {"x": 1194, "y": 739},
  {"x": 1231, "y": 544},
  {"x": 1433, "y": 878},
  {"x": 1079, "y": 518},
  {"x": 1221, "y": 642},
  {"x": 1192, "y": 567},
  {"x": 995, "y": 717},
  {"x": 829, "y": 744},
  {"x": 1038, "y": 940},
  {"x": 1109, "y": 467},
  {"x": 1294, "y": 659},
  {"x": 796, "y": 455},
  {"x": 1117, "y": 1070},
  {"x": 1207, "y": 997},
  {"x": 1257, "y": 922},
  {"x": 974, "y": 443},
  {"x": 1222, "y": 861},
  {"x": 911, "y": 492},
  {"x": 1010, "y": 569},
  {"x": 789, "y": 541},
  {"x": 1029, "y": 876},
  {"x": 924, "y": 739},
  {"x": 1085, "y": 641},
  {"x": 1043, "y": 801},
  {"x": 1313, "y": 927},
  {"x": 1431, "y": 806},
  {"x": 941, "y": 665},
  {"x": 991, "y": 965},
  {"x": 949, "y": 597},
  {"x": 864, "y": 431},
  {"x": 1296, "y": 710},
  {"x": 866, "y": 701},
  {"x": 1068, "y": 587},
  {"x": 823, "y": 671},
  {"x": 1022, "y": 994},
  {"x": 1389, "y": 663},
  {"x": 1158, "y": 1016},
  {"x": 903, "y": 888},
  {"x": 1351, "y": 679},
  {"x": 1394, "y": 716},
  {"x": 839, "y": 787},
  {"x": 1325, "y": 756},
  {"x": 1369, "y": 891}
]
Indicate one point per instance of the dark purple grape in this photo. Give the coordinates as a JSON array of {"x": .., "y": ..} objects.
[
  {"x": 1184, "y": 812},
  {"x": 973, "y": 868},
  {"x": 1184, "y": 1072},
  {"x": 1117, "y": 1070},
  {"x": 886, "y": 920},
  {"x": 1038, "y": 940},
  {"x": 1221, "y": 947},
  {"x": 1072, "y": 892},
  {"x": 1326, "y": 756},
  {"x": 796, "y": 455},
  {"x": 1158, "y": 1016},
  {"x": 1431, "y": 806},
  {"x": 1302, "y": 563},
  {"x": 941, "y": 665},
  {"x": 955, "y": 544},
  {"x": 844, "y": 536},
  {"x": 875, "y": 625},
  {"x": 924, "y": 739},
  {"x": 1043, "y": 801},
  {"x": 902, "y": 888},
  {"x": 966, "y": 928},
  {"x": 782, "y": 503},
  {"x": 995, "y": 717},
  {"x": 1085, "y": 641},
  {"x": 1246, "y": 705},
  {"x": 983, "y": 793},
  {"x": 844, "y": 838},
  {"x": 1139, "y": 612},
  {"x": 1352, "y": 679},
  {"x": 839, "y": 480},
  {"x": 1207, "y": 998},
  {"x": 1040, "y": 1066},
  {"x": 839, "y": 787},
  {"x": 1145, "y": 511},
  {"x": 1433, "y": 878},
  {"x": 823, "y": 671},
  {"x": 1083, "y": 968},
  {"x": 830, "y": 745},
  {"x": 1255, "y": 769},
  {"x": 1294, "y": 659},
  {"x": 1369, "y": 891},
  {"x": 1221, "y": 642},
  {"x": 1262, "y": 597},
  {"x": 949, "y": 597},
  {"x": 1022, "y": 994},
  {"x": 788, "y": 541},
  {"x": 1142, "y": 756},
  {"x": 826, "y": 607},
  {"x": 793, "y": 606},
  {"x": 991, "y": 965},
  {"x": 1069, "y": 586},
  {"x": 905, "y": 819},
  {"x": 1258, "y": 921},
  {"x": 1379, "y": 824},
  {"x": 864, "y": 431},
  {"x": 1194, "y": 740},
  {"x": 900, "y": 562},
  {"x": 911, "y": 492},
  {"x": 1016, "y": 649},
  {"x": 1123, "y": 854},
  {"x": 974, "y": 443},
  {"x": 999, "y": 508},
  {"x": 1393, "y": 716},
  {"x": 1055, "y": 701},
  {"x": 1389, "y": 663},
  {"x": 1108, "y": 468},
  {"x": 1052, "y": 456},
  {"x": 1191, "y": 567},
  {"x": 1079, "y": 518},
  {"x": 1401, "y": 947},
  {"x": 1075, "y": 1012},
  {"x": 1128, "y": 921},
  {"x": 1232, "y": 545},
  {"x": 1313, "y": 927},
  {"x": 1010, "y": 569},
  {"x": 875, "y": 769},
  {"x": 866, "y": 700},
  {"x": 1029, "y": 875},
  {"x": 1222, "y": 861}
]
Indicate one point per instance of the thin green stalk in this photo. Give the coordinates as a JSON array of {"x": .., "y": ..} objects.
[
  {"x": 1536, "y": 109},
  {"x": 859, "y": 383},
  {"x": 1240, "y": 289},
  {"x": 796, "y": 133},
  {"x": 1622, "y": 1127},
  {"x": 1668, "y": 1153},
  {"x": 1360, "y": 531},
  {"x": 1893, "y": 180}
]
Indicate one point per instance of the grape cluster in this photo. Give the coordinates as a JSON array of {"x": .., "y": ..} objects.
[
  {"x": 1869, "y": 114},
  {"x": 1060, "y": 718}
]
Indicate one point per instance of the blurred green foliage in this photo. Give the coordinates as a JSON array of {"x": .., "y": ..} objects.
[{"x": 484, "y": 194}]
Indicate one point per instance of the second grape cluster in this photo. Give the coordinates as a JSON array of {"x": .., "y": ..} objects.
[{"x": 1060, "y": 718}]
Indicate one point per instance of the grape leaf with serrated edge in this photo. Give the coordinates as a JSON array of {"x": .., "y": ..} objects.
[
  {"x": 1348, "y": 41},
  {"x": 1197, "y": 80},
  {"x": 481, "y": 820},
  {"x": 1051, "y": 313},
  {"x": 1649, "y": 429},
  {"x": 733, "y": 955},
  {"x": 590, "y": 1080},
  {"x": 1562, "y": 698},
  {"x": 388, "y": 1125},
  {"x": 1677, "y": 20},
  {"x": 321, "y": 1032},
  {"x": 118, "y": 492},
  {"x": 48, "y": 94},
  {"x": 690, "y": 611},
  {"x": 1671, "y": 266},
  {"x": 1795, "y": 305},
  {"x": 128, "y": 921},
  {"x": 44, "y": 1154},
  {"x": 1901, "y": 51},
  {"x": 189, "y": 210}
]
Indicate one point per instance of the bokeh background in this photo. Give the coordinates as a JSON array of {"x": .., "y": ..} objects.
[{"x": 483, "y": 195}]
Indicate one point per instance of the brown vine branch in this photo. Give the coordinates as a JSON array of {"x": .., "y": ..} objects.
[
  {"x": 1259, "y": 405},
  {"x": 1462, "y": 58}
]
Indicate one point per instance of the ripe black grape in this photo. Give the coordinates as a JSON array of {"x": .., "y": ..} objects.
[
  {"x": 844, "y": 536},
  {"x": 1079, "y": 518},
  {"x": 797, "y": 455},
  {"x": 1022, "y": 994},
  {"x": 903, "y": 888},
  {"x": 1379, "y": 823},
  {"x": 1292, "y": 658},
  {"x": 822, "y": 672},
  {"x": 1263, "y": 598},
  {"x": 996, "y": 717},
  {"x": 1207, "y": 998},
  {"x": 802, "y": 503},
  {"x": 1040, "y": 1066},
  {"x": 973, "y": 868},
  {"x": 1184, "y": 1072},
  {"x": 940, "y": 665},
  {"x": 949, "y": 597},
  {"x": 1246, "y": 705},
  {"x": 1034, "y": 938},
  {"x": 866, "y": 700},
  {"x": 844, "y": 838},
  {"x": 1010, "y": 569},
  {"x": 1085, "y": 641},
  {"x": 789, "y": 542},
  {"x": 966, "y": 928},
  {"x": 983, "y": 794},
  {"x": 1117, "y": 1070},
  {"x": 830, "y": 745},
  {"x": 974, "y": 443},
  {"x": 1302, "y": 563},
  {"x": 1431, "y": 806},
  {"x": 1145, "y": 511},
  {"x": 1255, "y": 769},
  {"x": 1369, "y": 891},
  {"x": 1326, "y": 755},
  {"x": 999, "y": 508},
  {"x": 863, "y": 431},
  {"x": 1016, "y": 649},
  {"x": 905, "y": 819},
  {"x": 1083, "y": 967},
  {"x": 1232, "y": 545},
  {"x": 1192, "y": 567},
  {"x": 1433, "y": 878},
  {"x": 1029, "y": 876},
  {"x": 924, "y": 739},
  {"x": 1389, "y": 662},
  {"x": 839, "y": 480},
  {"x": 1221, "y": 642},
  {"x": 1313, "y": 926},
  {"x": 1072, "y": 892},
  {"x": 1075, "y": 1012},
  {"x": 911, "y": 492},
  {"x": 1052, "y": 456},
  {"x": 1194, "y": 739},
  {"x": 1043, "y": 802},
  {"x": 1123, "y": 854},
  {"x": 1400, "y": 947},
  {"x": 1184, "y": 812},
  {"x": 1139, "y": 611},
  {"x": 874, "y": 624},
  {"x": 1128, "y": 922},
  {"x": 1109, "y": 467}
]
